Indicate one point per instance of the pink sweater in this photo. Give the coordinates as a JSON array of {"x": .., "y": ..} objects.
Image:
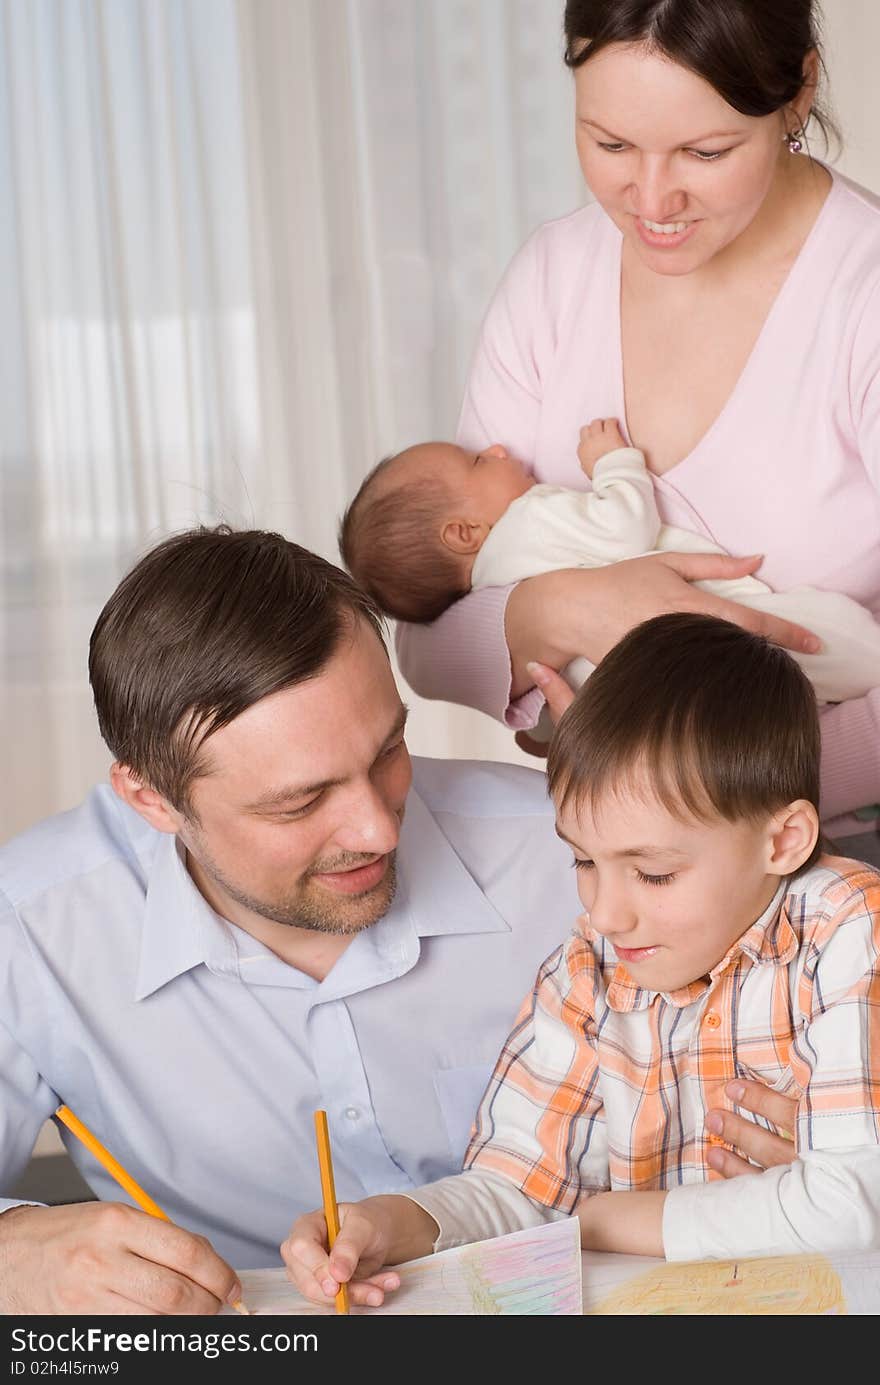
[{"x": 804, "y": 489}]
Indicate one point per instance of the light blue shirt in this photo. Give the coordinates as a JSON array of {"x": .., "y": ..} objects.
[{"x": 197, "y": 1056}]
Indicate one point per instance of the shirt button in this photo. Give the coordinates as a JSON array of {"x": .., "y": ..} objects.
[
  {"x": 352, "y": 1113},
  {"x": 712, "y": 1019}
]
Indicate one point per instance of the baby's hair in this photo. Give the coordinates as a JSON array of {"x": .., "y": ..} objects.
[
  {"x": 712, "y": 720},
  {"x": 389, "y": 541}
]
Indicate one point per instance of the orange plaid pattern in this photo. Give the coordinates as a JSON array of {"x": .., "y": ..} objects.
[{"x": 602, "y": 1084}]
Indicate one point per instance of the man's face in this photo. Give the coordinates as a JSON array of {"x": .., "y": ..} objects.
[{"x": 298, "y": 817}]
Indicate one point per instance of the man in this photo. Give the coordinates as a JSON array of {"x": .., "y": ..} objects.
[{"x": 271, "y": 911}]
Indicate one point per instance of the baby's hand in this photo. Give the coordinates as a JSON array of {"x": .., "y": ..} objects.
[{"x": 598, "y": 439}]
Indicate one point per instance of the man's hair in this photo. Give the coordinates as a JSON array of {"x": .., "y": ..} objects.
[
  {"x": 717, "y": 721},
  {"x": 206, "y": 624},
  {"x": 389, "y": 541}
]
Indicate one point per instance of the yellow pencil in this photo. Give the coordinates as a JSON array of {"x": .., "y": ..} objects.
[
  {"x": 328, "y": 1191},
  {"x": 115, "y": 1169}
]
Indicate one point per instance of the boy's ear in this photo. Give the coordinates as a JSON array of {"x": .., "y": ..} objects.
[
  {"x": 155, "y": 809},
  {"x": 461, "y": 536},
  {"x": 794, "y": 831}
]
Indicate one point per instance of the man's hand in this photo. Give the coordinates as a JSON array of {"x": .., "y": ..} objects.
[
  {"x": 104, "y": 1257},
  {"x": 750, "y": 1141}
]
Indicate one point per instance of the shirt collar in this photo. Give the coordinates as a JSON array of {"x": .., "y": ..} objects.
[
  {"x": 770, "y": 939},
  {"x": 435, "y": 886},
  {"x": 181, "y": 930},
  {"x": 436, "y": 895}
]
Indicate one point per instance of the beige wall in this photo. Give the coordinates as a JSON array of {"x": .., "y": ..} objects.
[{"x": 852, "y": 51}]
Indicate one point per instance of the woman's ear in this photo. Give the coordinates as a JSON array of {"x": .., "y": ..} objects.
[
  {"x": 153, "y": 808},
  {"x": 803, "y": 102},
  {"x": 793, "y": 833},
  {"x": 462, "y": 536}
]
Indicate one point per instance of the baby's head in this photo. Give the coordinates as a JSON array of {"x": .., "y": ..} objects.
[
  {"x": 419, "y": 519},
  {"x": 685, "y": 777}
]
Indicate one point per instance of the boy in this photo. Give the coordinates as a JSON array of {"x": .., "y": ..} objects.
[
  {"x": 716, "y": 944},
  {"x": 435, "y": 521}
]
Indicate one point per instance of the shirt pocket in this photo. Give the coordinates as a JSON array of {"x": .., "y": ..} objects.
[
  {"x": 774, "y": 1076},
  {"x": 459, "y": 1091}
]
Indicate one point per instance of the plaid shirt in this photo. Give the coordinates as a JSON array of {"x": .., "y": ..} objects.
[{"x": 602, "y": 1084}]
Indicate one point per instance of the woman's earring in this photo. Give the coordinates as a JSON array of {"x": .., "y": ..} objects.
[{"x": 794, "y": 141}]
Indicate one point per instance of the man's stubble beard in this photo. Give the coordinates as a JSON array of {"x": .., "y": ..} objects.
[{"x": 339, "y": 916}]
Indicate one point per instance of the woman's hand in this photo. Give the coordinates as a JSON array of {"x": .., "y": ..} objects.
[
  {"x": 558, "y": 696},
  {"x": 375, "y": 1232},
  {"x": 556, "y": 616}
]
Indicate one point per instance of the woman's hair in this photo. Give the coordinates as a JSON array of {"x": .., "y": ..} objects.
[
  {"x": 388, "y": 540},
  {"x": 751, "y": 51},
  {"x": 710, "y": 719},
  {"x": 206, "y": 624}
]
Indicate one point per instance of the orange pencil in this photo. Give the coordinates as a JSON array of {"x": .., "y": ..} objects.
[
  {"x": 115, "y": 1169},
  {"x": 328, "y": 1191}
]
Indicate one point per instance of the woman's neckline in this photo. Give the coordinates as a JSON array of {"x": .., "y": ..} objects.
[{"x": 776, "y": 306}]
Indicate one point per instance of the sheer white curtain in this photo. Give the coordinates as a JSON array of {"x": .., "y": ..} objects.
[
  {"x": 128, "y": 387},
  {"x": 400, "y": 150},
  {"x": 245, "y": 246}
]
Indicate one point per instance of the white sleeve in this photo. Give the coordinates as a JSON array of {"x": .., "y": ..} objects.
[
  {"x": 826, "y": 1200},
  {"x": 619, "y": 514},
  {"x": 477, "y": 1206},
  {"x": 829, "y": 1198},
  {"x": 555, "y": 527}
]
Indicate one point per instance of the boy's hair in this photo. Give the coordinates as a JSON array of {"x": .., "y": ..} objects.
[
  {"x": 206, "y": 624},
  {"x": 389, "y": 541},
  {"x": 718, "y": 720}
]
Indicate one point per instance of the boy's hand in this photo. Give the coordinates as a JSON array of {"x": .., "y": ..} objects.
[
  {"x": 598, "y": 438},
  {"x": 372, "y": 1233}
]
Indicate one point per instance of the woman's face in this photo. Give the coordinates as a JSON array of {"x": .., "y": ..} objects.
[{"x": 679, "y": 171}]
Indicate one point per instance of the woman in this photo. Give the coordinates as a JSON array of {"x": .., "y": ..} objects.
[{"x": 721, "y": 298}]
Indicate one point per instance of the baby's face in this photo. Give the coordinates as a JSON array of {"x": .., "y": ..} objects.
[{"x": 482, "y": 484}]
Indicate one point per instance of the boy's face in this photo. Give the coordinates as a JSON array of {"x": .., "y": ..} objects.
[
  {"x": 671, "y": 895},
  {"x": 483, "y": 484}
]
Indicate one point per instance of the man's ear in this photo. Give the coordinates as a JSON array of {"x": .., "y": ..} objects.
[
  {"x": 793, "y": 833},
  {"x": 153, "y": 808},
  {"x": 460, "y": 536}
]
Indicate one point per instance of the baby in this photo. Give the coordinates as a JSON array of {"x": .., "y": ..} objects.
[{"x": 436, "y": 521}]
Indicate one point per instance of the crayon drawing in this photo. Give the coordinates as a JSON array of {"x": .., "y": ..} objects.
[
  {"x": 529, "y": 1272},
  {"x": 789, "y": 1285},
  {"x": 835, "y": 1284}
]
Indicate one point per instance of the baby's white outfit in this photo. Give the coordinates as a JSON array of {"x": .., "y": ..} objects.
[{"x": 553, "y": 527}]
